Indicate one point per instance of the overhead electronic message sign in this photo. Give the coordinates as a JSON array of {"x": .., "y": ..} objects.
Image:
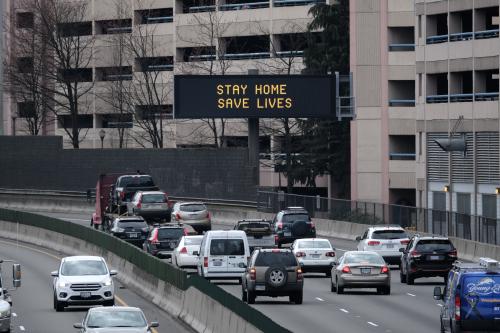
[{"x": 254, "y": 96}]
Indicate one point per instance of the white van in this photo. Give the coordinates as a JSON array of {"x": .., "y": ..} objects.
[{"x": 223, "y": 255}]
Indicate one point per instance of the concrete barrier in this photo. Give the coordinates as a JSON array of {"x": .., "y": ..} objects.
[{"x": 196, "y": 309}]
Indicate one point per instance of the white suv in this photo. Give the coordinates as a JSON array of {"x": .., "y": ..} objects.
[
  {"x": 386, "y": 241},
  {"x": 83, "y": 280}
]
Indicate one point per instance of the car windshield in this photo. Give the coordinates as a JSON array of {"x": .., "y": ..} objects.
[
  {"x": 136, "y": 181},
  {"x": 132, "y": 224},
  {"x": 275, "y": 259},
  {"x": 97, "y": 319},
  {"x": 430, "y": 245},
  {"x": 83, "y": 267},
  {"x": 389, "y": 234},
  {"x": 314, "y": 244},
  {"x": 192, "y": 240},
  {"x": 154, "y": 198},
  {"x": 170, "y": 233},
  {"x": 363, "y": 258},
  {"x": 295, "y": 217},
  {"x": 227, "y": 247},
  {"x": 193, "y": 208}
]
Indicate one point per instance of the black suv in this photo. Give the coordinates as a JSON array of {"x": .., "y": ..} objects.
[
  {"x": 131, "y": 229},
  {"x": 427, "y": 256},
  {"x": 272, "y": 272},
  {"x": 293, "y": 223},
  {"x": 163, "y": 239}
]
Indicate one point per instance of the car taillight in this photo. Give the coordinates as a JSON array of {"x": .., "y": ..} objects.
[
  {"x": 384, "y": 270},
  {"x": 405, "y": 242},
  {"x": 330, "y": 254},
  {"x": 184, "y": 250},
  {"x": 139, "y": 203},
  {"x": 299, "y": 274},
  {"x": 253, "y": 273},
  {"x": 373, "y": 243},
  {"x": 178, "y": 216},
  {"x": 186, "y": 231},
  {"x": 300, "y": 254},
  {"x": 312, "y": 225},
  {"x": 208, "y": 215},
  {"x": 415, "y": 254},
  {"x": 276, "y": 238},
  {"x": 122, "y": 195},
  {"x": 280, "y": 225},
  {"x": 154, "y": 239},
  {"x": 205, "y": 261},
  {"x": 457, "y": 306},
  {"x": 453, "y": 253},
  {"x": 346, "y": 269}
]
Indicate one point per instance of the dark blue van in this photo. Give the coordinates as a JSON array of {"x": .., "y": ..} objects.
[{"x": 471, "y": 297}]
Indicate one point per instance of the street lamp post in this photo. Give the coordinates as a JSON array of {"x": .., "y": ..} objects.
[{"x": 102, "y": 134}]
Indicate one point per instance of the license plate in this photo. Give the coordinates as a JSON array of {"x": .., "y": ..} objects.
[
  {"x": 133, "y": 235},
  {"x": 315, "y": 256},
  {"x": 85, "y": 294},
  {"x": 217, "y": 263},
  {"x": 260, "y": 287},
  {"x": 434, "y": 257},
  {"x": 366, "y": 271},
  {"x": 172, "y": 245},
  {"x": 390, "y": 246},
  {"x": 288, "y": 234},
  {"x": 496, "y": 308}
]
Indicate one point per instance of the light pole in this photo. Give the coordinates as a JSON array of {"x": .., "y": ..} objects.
[{"x": 102, "y": 134}]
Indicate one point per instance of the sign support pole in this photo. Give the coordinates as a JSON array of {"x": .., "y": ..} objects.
[{"x": 253, "y": 141}]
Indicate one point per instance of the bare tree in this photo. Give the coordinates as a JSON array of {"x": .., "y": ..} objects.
[{"x": 207, "y": 56}]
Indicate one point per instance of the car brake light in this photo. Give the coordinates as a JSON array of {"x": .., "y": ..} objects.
[
  {"x": 205, "y": 261},
  {"x": 453, "y": 253},
  {"x": 122, "y": 195},
  {"x": 384, "y": 270},
  {"x": 139, "y": 203},
  {"x": 208, "y": 215},
  {"x": 184, "y": 250},
  {"x": 346, "y": 269},
  {"x": 330, "y": 254},
  {"x": 405, "y": 242},
  {"x": 178, "y": 216},
  {"x": 276, "y": 250},
  {"x": 457, "y": 307},
  {"x": 299, "y": 273},
  {"x": 300, "y": 254},
  {"x": 373, "y": 243},
  {"x": 280, "y": 225},
  {"x": 154, "y": 239},
  {"x": 253, "y": 273},
  {"x": 276, "y": 238},
  {"x": 415, "y": 254},
  {"x": 186, "y": 231}
]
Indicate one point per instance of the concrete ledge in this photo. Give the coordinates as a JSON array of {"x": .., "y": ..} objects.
[{"x": 196, "y": 309}]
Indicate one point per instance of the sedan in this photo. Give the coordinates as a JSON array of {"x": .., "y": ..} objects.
[
  {"x": 314, "y": 255},
  {"x": 186, "y": 253},
  {"x": 195, "y": 214},
  {"x": 115, "y": 319},
  {"x": 361, "y": 269},
  {"x": 151, "y": 205}
]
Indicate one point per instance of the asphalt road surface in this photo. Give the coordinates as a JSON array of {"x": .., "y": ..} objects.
[{"x": 409, "y": 309}]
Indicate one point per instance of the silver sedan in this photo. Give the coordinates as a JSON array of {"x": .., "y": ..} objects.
[
  {"x": 361, "y": 269},
  {"x": 115, "y": 319}
]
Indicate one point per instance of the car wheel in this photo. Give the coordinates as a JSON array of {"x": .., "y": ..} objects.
[
  {"x": 240, "y": 281},
  {"x": 58, "y": 306},
  {"x": 410, "y": 280},
  {"x": 279, "y": 245},
  {"x": 276, "y": 277},
  {"x": 384, "y": 290},
  {"x": 243, "y": 294},
  {"x": 340, "y": 290},
  {"x": 250, "y": 297},
  {"x": 328, "y": 273},
  {"x": 442, "y": 327}
]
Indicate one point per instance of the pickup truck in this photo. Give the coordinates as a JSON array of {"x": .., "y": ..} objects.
[
  {"x": 125, "y": 188},
  {"x": 259, "y": 233}
]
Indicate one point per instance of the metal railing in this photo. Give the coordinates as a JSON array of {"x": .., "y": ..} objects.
[
  {"x": 437, "y": 99},
  {"x": 285, "y": 54},
  {"x": 486, "y": 34},
  {"x": 402, "y": 102},
  {"x": 250, "y": 55},
  {"x": 461, "y": 36},
  {"x": 199, "y": 9},
  {"x": 456, "y": 98},
  {"x": 401, "y": 47},
  {"x": 284, "y": 3},
  {"x": 242, "y": 6},
  {"x": 159, "y": 19},
  {"x": 470, "y": 227},
  {"x": 486, "y": 96},
  {"x": 437, "y": 39},
  {"x": 402, "y": 156}
]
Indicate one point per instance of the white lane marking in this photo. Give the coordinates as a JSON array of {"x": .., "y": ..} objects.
[
  {"x": 22, "y": 328},
  {"x": 344, "y": 310},
  {"x": 441, "y": 305},
  {"x": 373, "y": 324},
  {"x": 14, "y": 314},
  {"x": 320, "y": 299},
  {"x": 411, "y": 295}
]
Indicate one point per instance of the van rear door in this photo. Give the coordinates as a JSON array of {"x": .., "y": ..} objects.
[
  {"x": 235, "y": 249},
  {"x": 480, "y": 302},
  {"x": 217, "y": 259}
]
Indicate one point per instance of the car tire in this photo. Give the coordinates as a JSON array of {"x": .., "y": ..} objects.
[
  {"x": 250, "y": 297},
  {"x": 340, "y": 290},
  {"x": 279, "y": 245},
  {"x": 58, "y": 306},
  {"x": 299, "y": 228},
  {"x": 384, "y": 290},
  {"x": 297, "y": 298},
  {"x": 333, "y": 288},
  {"x": 410, "y": 280},
  {"x": 243, "y": 294}
]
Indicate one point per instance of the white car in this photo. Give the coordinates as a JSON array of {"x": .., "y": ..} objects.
[
  {"x": 386, "y": 241},
  {"x": 83, "y": 280},
  {"x": 186, "y": 253},
  {"x": 314, "y": 255}
]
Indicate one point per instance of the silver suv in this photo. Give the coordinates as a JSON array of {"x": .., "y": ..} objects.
[
  {"x": 83, "y": 280},
  {"x": 272, "y": 272},
  {"x": 386, "y": 241}
]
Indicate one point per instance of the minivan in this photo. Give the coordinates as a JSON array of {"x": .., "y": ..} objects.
[{"x": 223, "y": 255}]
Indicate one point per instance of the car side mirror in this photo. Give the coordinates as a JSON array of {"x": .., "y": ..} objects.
[
  {"x": 154, "y": 324},
  {"x": 438, "y": 293},
  {"x": 77, "y": 325},
  {"x": 54, "y": 273},
  {"x": 113, "y": 272},
  {"x": 402, "y": 250},
  {"x": 358, "y": 238}
]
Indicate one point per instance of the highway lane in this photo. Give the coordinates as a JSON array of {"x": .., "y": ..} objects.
[
  {"x": 407, "y": 309},
  {"x": 32, "y": 303}
]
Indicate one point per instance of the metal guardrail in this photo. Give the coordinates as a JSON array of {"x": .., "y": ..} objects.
[
  {"x": 462, "y": 36},
  {"x": 402, "y": 156},
  {"x": 402, "y": 102},
  {"x": 401, "y": 47}
]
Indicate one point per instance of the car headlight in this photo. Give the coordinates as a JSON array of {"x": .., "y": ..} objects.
[
  {"x": 5, "y": 313},
  {"x": 63, "y": 284},
  {"x": 107, "y": 283}
]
